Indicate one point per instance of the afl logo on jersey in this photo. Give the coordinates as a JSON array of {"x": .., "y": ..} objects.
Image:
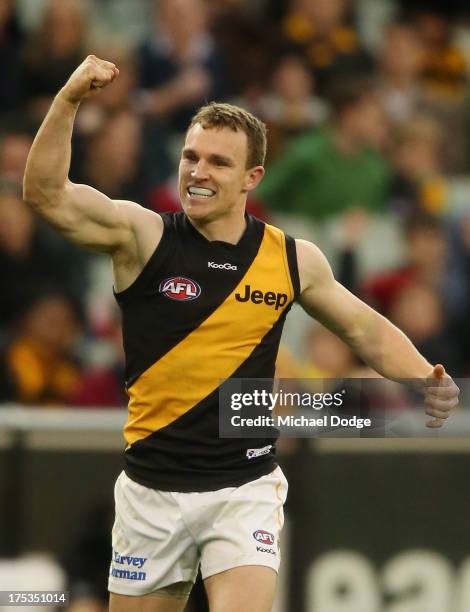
[
  {"x": 180, "y": 288},
  {"x": 265, "y": 537}
]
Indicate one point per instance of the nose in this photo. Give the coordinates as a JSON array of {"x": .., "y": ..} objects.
[{"x": 200, "y": 171}]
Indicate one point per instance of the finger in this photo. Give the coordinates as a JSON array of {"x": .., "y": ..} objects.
[
  {"x": 449, "y": 393},
  {"x": 438, "y": 371},
  {"x": 102, "y": 78},
  {"x": 444, "y": 392},
  {"x": 441, "y": 404},
  {"x": 435, "y": 423},
  {"x": 438, "y": 414}
]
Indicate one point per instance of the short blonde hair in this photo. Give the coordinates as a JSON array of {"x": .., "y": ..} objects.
[{"x": 222, "y": 115}]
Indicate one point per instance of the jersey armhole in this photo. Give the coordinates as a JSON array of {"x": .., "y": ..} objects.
[
  {"x": 152, "y": 263},
  {"x": 291, "y": 251}
]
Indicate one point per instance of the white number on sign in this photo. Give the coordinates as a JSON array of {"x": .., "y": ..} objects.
[
  {"x": 342, "y": 581},
  {"x": 419, "y": 580}
]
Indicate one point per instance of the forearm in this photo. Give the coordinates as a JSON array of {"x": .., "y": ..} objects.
[
  {"x": 388, "y": 350},
  {"x": 48, "y": 162}
]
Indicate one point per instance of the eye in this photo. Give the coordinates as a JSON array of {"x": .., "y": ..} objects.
[
  {"x": 220, "y": 162},
  {"x": 188, "y": 155}
]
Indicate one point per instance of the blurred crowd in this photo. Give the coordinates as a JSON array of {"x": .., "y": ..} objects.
[{"x": 368, "y": 110}]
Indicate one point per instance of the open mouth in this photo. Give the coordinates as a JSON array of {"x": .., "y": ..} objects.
[{"x": 200, "y": 192}]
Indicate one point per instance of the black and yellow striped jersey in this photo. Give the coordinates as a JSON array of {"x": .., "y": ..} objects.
[{"x": 200, "y": 312}]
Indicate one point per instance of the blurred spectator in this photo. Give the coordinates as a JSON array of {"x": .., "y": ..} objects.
[
  {"x": 39, "y": 357},
  {"x": 14, "y": 148},
  {"x": 326, "y": 172},
  {"x": 32, "y": 258},
  {"x": 327, "y": 356},
  {"x": 178, "y": 65},
  {"x": 104, "y": 386},
  {"x": 244, "y": 39},
  {"x": 54, "y": 51},
  {"x": 289, "y": 106},
  {"x": 422, "y": 71},
  {"x": 401, "y": 59},
  {"x": 111, "y": 161},
  {"x": 416, "y": 154},
  {"x": 427, "y": 264},
  {"x": 445, "y": 69},
  {"x": 418, "y": 311},
  {"x": 332, "y": 47},
  {"x": 11, "y": 39}
]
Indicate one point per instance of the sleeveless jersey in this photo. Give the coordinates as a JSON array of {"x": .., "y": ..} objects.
[{"x": 199, "y": 312}]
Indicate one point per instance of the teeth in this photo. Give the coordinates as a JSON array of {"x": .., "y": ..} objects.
[{"x": 201, "y": 191}]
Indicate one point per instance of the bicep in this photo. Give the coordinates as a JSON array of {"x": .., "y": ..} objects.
[
  {"x": 328, "y": 301},
  {"x": 89, "y": 218}
]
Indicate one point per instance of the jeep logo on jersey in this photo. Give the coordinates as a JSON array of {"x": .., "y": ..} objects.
[
  {"x": 264, "y": 537},
  {"x": 180, "y": 288},
  {"x": 257, "y": 297},
  {"x": 224, "y": 266}
]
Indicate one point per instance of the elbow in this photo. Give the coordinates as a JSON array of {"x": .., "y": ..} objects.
[
  {"x": 33, "y": 191},
  {"x": 39, "y": 193},
  {"x": 29, "y": 191}
]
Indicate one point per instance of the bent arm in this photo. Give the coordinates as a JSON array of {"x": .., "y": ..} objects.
[
  {"x": 81, "y": 213},
  {"x": 370, "y": 335}
]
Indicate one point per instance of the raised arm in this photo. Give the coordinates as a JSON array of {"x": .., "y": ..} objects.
[
  {"x": 370, "y": 335},
  {"x": 81, "y": 213}
]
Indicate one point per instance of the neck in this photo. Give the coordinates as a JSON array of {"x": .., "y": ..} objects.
[
  {"x": 345, "y": 142},
  {"x": 228, "y": 228}
]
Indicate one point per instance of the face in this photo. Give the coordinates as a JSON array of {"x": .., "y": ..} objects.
[
  {"x": 402, "y": 52},
  {"x": 417, "y": 311},
  {"x": 53, "y": 324},
  {"x": 427, "y": 248},
  {"x": 325, "y": 13},
  {"x": 369, "y": 123},
  {"x": 292, "y": 81},
  {"x": 64, "y": 25},
  {"x": 213, "y": 178},
  {"x": 181, "y": 19},
  {"x": 17, "y": 226}
]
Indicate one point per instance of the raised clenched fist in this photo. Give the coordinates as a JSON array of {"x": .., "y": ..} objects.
[{"x": 92, "y": 74}]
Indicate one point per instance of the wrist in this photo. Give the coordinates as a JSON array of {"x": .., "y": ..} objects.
[{"x": 63, "y": 97}]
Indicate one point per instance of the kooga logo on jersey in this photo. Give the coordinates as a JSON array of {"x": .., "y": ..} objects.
[
  {"x": 180, "y": 288},
  {"x": 224, "y": 266}
]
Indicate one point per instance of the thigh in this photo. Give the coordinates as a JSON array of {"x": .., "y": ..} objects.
[
  {"x": 152, "y": 547},
  {"x": 243, "y": 526},
  {"x": 250, "y": 588},
  {"x": 145, "y": 603}
]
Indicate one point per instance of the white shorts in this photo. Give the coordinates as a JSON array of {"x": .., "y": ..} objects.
[{"x": 160, "y": 537}]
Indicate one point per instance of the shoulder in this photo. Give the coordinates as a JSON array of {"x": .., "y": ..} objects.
[
  {"x": 145, "y": 229},
  {"x": 140, "y": 219},
  {"x": 313, "y": 266}
]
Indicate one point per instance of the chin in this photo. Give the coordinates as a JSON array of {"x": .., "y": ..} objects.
[{"x": 199, "y": 212}]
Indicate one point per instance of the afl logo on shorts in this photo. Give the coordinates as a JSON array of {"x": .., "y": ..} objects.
[
  {"x": 180, "y": 288},
  {"x": 264, "y": 537}
]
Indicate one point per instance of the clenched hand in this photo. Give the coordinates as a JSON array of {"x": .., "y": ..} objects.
[{"x": 93, "y": 74}]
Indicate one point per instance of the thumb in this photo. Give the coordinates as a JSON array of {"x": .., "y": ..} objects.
[{"x": 438, "y": 371}]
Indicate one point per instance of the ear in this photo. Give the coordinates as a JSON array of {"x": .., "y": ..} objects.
[{"x": 253, "y": 178}]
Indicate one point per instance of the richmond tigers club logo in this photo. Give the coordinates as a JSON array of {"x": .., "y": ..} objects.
[{"x": 180, "y": 288}]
